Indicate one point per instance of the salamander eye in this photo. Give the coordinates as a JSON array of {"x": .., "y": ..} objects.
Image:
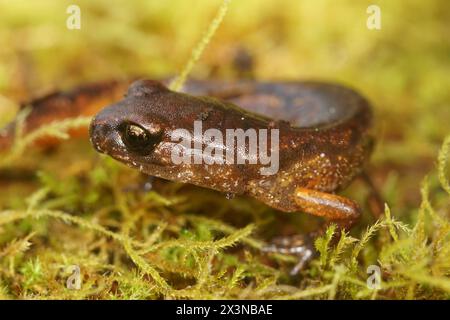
[{"x": 138, "y": 139}]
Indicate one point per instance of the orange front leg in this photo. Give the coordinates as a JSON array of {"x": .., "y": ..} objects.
[{"x": 342, "y": 211}]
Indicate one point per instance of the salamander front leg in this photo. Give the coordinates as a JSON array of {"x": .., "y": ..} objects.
[{"x": 336, "y": 209}]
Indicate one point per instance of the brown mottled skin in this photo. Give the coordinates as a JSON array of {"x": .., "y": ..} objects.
[{"x": 324, "y": 138}]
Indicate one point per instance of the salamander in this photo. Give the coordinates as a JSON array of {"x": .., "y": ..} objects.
[{"x": 323, "y": 139}]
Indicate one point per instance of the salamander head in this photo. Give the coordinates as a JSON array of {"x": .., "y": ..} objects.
[
  {"x": 134, "y": 130},
  {"x": 160, "y": 132},
  {"x": 144, "y": 130}
]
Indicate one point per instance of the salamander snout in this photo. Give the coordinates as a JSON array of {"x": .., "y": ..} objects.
[{"x": 100, "y": 133}]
